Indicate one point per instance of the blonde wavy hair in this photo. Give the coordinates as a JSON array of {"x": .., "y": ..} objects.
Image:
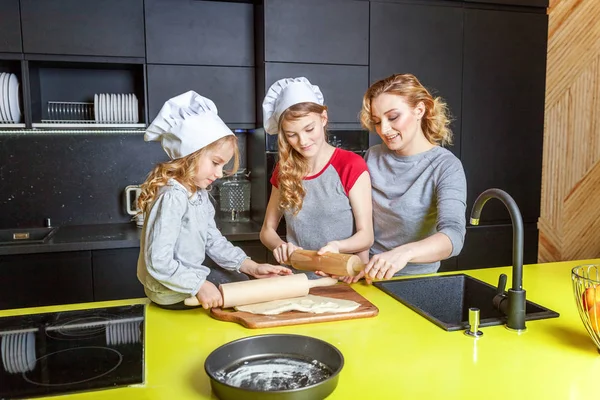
[
  {"x": 293, "y": 167},
  {"x": 435, "y": 123},
  {"x": 183, "y": 170}
]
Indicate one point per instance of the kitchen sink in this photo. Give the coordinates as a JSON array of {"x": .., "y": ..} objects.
[
  {"x": 26, "y": 235},
  {"x": 445, "y": 300}
]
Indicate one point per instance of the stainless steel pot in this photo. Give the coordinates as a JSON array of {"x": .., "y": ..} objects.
[{"x": 278, "y": 366}]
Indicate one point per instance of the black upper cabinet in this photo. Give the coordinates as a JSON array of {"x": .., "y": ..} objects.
[
  {"x": 503, "y": 108},
  {"x": 231, "y": 88},
  {"x": 10, "y": 26},
  {"x": 199, "y": 33},
  {"x": 434, "y": 55},
  {"x": 75, "y": 27},
  {"x": 530, "y": 3},
  {"x": 313, "y": 31},
  {"x": 342, "y": 85}
]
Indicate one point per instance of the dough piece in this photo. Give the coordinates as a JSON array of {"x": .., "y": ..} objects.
[{"x": 309, "y": 303}]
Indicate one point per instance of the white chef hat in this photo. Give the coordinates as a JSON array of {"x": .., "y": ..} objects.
[
  {"x": 185, "y": 124},
  {"x": 282, "y": 95}
]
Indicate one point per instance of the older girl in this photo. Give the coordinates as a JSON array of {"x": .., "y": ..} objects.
[{"x": 324, "y": 193}]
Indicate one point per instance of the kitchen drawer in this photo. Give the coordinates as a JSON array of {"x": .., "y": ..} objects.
[
  {"x": 231, "y": 88},
  {"x": 343, "y": 86},
  {"x": 115, "y": 274},
  {"x": 33, "y": 280}
]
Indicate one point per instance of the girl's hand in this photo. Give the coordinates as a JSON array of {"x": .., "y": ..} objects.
[
  {"x": 267, "y": 271},
  {"x": 284, "y": 251},
  {"x": 209, "y": 296},
  {"x": 385, "y": 265},
  {"x": 331, "y": 247}
]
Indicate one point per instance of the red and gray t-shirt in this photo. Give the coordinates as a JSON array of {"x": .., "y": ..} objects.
[{"x": 326, "y": 213}]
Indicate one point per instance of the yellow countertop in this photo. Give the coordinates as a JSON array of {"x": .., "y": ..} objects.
[{"x": 396, "y": 355}]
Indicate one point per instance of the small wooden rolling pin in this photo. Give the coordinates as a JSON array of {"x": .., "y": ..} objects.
[
  {"x": 261, "y": 290},
  {"x": 330, "y": 263}
]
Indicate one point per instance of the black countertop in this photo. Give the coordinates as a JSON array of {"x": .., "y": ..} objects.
[{"x": 114, "y": 236}]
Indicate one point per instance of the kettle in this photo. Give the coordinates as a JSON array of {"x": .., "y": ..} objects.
[{"x": 132, "y": 193}]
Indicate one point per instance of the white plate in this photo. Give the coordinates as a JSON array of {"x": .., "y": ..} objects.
[
  {"x": 31, "y": 357},
  {"x": 136, "y": 117},
  {"x": 13, "y": 98},
  {"x": 11, "y": 353},
  {"x": 20, "y": 350},
  {"x": 121, "y": 104},
  {"x": 129, "y": 108},
  {"x": 104, "y": 111},
  {"x": 96, "y": 107},
  {"x": 3, "y": 116},
  {"x": 4, "y": 352},
  {"x": 5, "y": 102}
]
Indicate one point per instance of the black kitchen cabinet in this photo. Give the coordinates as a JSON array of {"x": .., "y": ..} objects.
[
  {"x": 32, "y": 280},
  {"x": 529, "y": 3},
  {"x": 10, "y": 26},
  {"x": 199, "y": 33},
  {"x": 491, "y": 246},
  {"x": 434, "y": 56},
  {"x": 115, "y": 274},
  {"x": 343, "y": 86},
  {"x": 231, "y": 88},
  {"x": 313, "y": 31},
  {"x": 75, "y": 27},
  {"x": 503, "y": 108}
]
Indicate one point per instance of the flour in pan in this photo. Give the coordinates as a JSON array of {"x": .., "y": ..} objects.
[{"x": 274, "y": 373}]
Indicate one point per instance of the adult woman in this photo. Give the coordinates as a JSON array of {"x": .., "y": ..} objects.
[
  {"x": 419, "y": 188},
  {"x": 323, "y": 192}
]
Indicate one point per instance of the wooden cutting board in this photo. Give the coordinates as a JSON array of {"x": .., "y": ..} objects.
[{"x": 339, "y": 291}]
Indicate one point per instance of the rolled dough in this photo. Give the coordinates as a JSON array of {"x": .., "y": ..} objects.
[{"x": 309, "y": 303}]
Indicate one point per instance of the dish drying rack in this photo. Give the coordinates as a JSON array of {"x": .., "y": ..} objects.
[{"x": 107, "y": 111}]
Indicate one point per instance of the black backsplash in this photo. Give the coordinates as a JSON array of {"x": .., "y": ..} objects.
[{"x": 74, "y": 179}]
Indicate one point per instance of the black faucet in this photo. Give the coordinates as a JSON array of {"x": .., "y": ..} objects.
[{"x": 514, "y": 308}]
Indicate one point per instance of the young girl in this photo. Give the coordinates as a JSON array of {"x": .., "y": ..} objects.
[
  {"x": 179, "y": 227},
  {"x": 323, "y": 192}
]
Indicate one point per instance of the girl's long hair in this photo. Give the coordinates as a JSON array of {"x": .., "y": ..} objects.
[
  {"x": 293, "y": 167},
  {"x": 183, "y": 170},
  {"x": 436, "y": 120}
]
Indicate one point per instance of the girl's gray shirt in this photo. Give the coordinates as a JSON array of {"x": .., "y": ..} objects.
[
  {"x": 415, "y": 197},
  {"x": 178, "y": 231}
]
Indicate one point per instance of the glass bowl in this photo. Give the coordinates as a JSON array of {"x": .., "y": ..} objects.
[{"x": 586, "y": 289}]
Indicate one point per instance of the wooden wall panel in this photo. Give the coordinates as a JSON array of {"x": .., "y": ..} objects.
[{"x": 569, "y": 223}]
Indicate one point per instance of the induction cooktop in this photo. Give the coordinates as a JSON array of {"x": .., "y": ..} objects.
[{"x": 73, "y": 351}]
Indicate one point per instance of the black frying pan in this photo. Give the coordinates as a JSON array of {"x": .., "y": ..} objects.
[{"x": 278, "y": 366}]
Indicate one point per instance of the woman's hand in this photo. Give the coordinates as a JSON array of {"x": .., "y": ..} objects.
[
  {"x": 347, "y": 279},
  {"x": 385, "y": 265},
  {"x": 209, "y": 296},
  {"x": 264, "y": 270},
  {"x": 331, "y": 247},
  {"x": 284, "y": 251}
]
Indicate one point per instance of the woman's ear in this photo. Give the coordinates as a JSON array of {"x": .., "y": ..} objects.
[
  {"x": 419, "y": 110},
  {"x": 324, "y": 118}
]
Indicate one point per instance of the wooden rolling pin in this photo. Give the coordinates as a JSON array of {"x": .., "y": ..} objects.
[
  {"x": 330, "y": 263},
  {"x": 261, "y": 290}
]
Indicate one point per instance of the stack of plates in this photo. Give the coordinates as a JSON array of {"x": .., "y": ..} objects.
[
  {"x": 116, "y": 108},
  {"x": 10, "y": 110}
]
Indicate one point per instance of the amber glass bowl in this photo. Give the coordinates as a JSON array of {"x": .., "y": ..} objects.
[{"x": 586, "y": 288}]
